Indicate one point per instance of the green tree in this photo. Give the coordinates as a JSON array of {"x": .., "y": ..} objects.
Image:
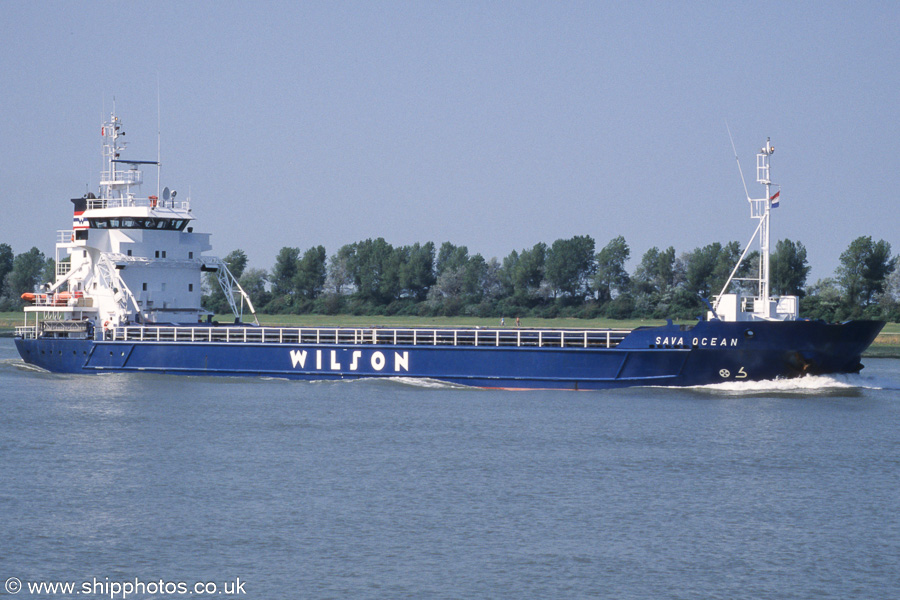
[
  {"x": 653, "y": 284},
  {"x": 707, "y": 269},
  {"x": 656, "y": 273},
  {"x": 727, "y": 258},
  {"x": 417, "y": 269},
  {"x": 309, "y": 278},
  {"x": 823, "y": 301},
  {"x": 283, "y": 272},
  {"x": 254, "y": 283},
  {"x": 878, "y": 267},
  {"x": 450, "y": 257},
  {"x": 462, "y": 283},
  {"x": 570, "y": 265},
  {"x": 236, "y": 261},
  {"x": 474, "y": 272},
  {"x": 507, "y": 268},
  {"x": 889, "y": 301},
  {"x": 26, "y": 273},
  {"x": 6, "y": 265},
  {"x": 864, "y": 267},
  {"x": 491, "y": 285},
  {"x": 526, "y": 272},
  {"x": 698, "y": 269},
  {"x": 6, "y": 262},
  {"x": 446, "y": 295},
  {"x": 375, "y": 268},
  {"x": 340, "y": 277},
  {"x": 788, "y": 269},
  {"x": 48, "y": 274},
  {"x": 611, "y": 275}
]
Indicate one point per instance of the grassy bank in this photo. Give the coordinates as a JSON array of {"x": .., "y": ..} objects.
[
  {"x": 10, "y": 320},
  {"x": 886, "y": 345}
]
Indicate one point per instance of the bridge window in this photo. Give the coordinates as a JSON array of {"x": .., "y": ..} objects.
[{"x": 139, "y": 223}]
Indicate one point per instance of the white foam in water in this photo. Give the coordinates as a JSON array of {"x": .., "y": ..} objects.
[
  {"x": 18, "y": 363},
  {"x": 803, "y": 385},
  {"x": 431, "y": 384}
]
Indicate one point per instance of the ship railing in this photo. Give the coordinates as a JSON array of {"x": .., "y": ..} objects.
[
  {"x": 117, "y": 177},
  {"x": 540, "y": 338},
  {"x": 97, "y": 203},
  {"x": 64, "y": 236},
  {"x": 52, "y": 300},
  {"x": 27, "y": 332}
]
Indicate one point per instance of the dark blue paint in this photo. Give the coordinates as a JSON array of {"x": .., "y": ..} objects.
[{"x": 670, "y": 355}]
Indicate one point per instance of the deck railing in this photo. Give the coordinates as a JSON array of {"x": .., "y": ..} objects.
[
  {"x": 541, "y": 338},
  {"x": 97, "y": 203},
  {"x": 28, "y": 332}
]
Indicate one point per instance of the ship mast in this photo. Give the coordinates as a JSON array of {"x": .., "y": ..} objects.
[
  {"x": 763, "y": 306},
  {"x": 116, "y": 183},
  {"x": 761, "y": 209}
]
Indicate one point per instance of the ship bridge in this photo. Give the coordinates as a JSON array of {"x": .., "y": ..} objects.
[{"x": 130, "y": 257}]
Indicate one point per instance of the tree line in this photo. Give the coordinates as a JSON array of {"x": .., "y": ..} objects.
[
  {"x": 21, "y": 273},
  {"x": 569, "y": 278}
]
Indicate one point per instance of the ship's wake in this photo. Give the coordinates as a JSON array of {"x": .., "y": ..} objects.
[
  {"x": 17, "y": 364},
  {"x": 428, "y": 383},
  {"x": 810, "y": 384}
]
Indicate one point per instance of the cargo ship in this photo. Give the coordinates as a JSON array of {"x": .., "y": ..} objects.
[{"x": 127, "y": 299}]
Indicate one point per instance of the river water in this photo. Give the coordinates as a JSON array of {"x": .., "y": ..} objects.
[{"x": 265, "y": 489}]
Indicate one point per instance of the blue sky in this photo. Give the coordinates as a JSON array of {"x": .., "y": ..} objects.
[{"x": 490, "y": 124}]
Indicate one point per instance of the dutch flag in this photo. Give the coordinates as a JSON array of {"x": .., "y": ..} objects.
[{"x": 774, "y": 199}]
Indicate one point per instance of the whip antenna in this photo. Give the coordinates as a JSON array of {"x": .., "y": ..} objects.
[
  {"x": 158, "y": 138},
  {"x": 741, "y": 171}
]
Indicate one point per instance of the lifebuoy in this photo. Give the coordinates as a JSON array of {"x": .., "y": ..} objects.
[{"x": 106, "y": 325}]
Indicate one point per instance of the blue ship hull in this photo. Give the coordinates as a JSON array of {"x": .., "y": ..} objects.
[{"x": 671, "y": 355}]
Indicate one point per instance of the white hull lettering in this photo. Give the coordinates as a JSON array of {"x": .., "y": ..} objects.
[
  {"x": 714, "y": 342},
  {"x": 331, "y": 362},
  {"x": 298, "y": 357}
]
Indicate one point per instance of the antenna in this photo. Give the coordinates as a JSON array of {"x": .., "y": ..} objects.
[
  {"x": 741, "y": 171},
  {"x": 158, "y": 137}
]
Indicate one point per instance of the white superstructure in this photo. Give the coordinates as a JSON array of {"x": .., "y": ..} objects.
[{"x": 129, "y": 258}]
